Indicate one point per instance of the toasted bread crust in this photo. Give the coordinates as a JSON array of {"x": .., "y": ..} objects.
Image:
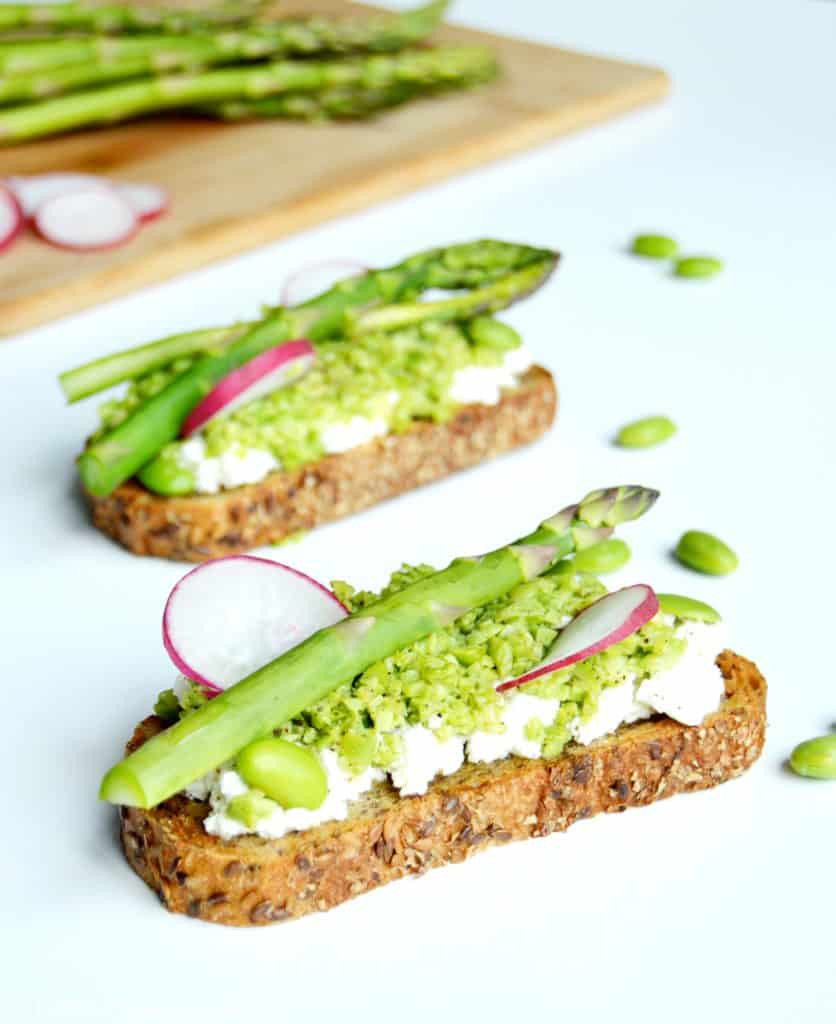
[
  {"x": 197, "y": 528},
  {"x": 250, "y": 881}
]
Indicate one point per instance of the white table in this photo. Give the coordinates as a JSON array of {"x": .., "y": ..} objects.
[{"x": 717, "y": 906}]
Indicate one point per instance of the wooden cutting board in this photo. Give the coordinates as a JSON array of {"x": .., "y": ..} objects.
[{"x": 234, "y": 187}]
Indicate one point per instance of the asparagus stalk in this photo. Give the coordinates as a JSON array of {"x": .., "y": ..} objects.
[
  {"x": 497, "y": 274},
  {"x": 108, "y": 371},
  {"x": 443, "y": 66},
  {"x": 55, "y": 82},
  {"x": 329, "y": 105},
  {"x": 119, "y": 18},
  {"x": 293, "y": 38},
  {"x": 335, "y": 655}
]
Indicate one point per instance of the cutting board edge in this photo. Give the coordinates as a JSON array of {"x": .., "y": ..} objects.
[{"x": 224, "y": 242}]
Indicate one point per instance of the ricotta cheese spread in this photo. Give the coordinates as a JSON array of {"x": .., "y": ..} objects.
[
  {"x": 687, "y": 692},
  {"x": 233, "y": 468}
]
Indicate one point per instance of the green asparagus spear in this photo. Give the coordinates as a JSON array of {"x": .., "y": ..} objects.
[
  {"x": 510, "y": 271},
  {"x": 335, "y": 655},
  {"x": 293, "y": 38},
  {"x": 122, "y": 102},
  {"x": 42, "y": 84},
  {"x": 108, "y": 371},
  {"x": 120, "y": 18},
  {"x": 329, "y": 105}
]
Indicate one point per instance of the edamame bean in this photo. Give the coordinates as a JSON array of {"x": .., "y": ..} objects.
[
  {"x": 655, "y": 247},
  {"x": 706, "y": 553},
  {"x": 291, "y": 775},
  {"x": 250, "y": 808},
  {"x": 646, "y": 432},
  {"x": 166, "y": 475},
  {"x": 815, "y": 759},
  {"x": 697, "y": 266},
  {"x": 603, "y": 557},
  {"x": 484, "y": 330},
  {"x": 687, "y": 608}
]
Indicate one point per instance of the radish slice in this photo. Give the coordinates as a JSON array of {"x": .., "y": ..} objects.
[
  {"x": 33, "y": 191},
  {"x": 11, "y": 218},
  {"x": 318, "y": 278},
  {"x": 147, "y": 201},
  {"x": 265, "y": 373},
  {"x": 91, "y": 218},
  {"x": 227, "y": 618},
  {"x": 606, "y": 622}
]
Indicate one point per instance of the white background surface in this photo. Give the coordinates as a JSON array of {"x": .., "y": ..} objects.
[{"x": 717, "y": 906}]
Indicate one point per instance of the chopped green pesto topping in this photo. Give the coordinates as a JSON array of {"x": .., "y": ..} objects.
[
  {"x": 398, "y": 377},
  {"x": 451, "y": 675},
  {"x": 447, "y": 681}
]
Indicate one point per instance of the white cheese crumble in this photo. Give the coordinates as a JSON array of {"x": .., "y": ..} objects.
[
  {"x": 342, "y": 437},
  {"x": 617, "y": 705},
  {"x": 694, "y": 687},
  {"x": 484, "y": 384},
  {"x": 519, "y": 711},
  {"x": 233, "y": 468},
  {"x": 423, "y": 756}
]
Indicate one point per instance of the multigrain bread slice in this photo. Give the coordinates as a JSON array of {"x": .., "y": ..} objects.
[
  {"x": 198, "y": 528},
  {"x": 249, "y": 881}
]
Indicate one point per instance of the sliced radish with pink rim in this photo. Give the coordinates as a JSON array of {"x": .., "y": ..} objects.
[
  {"x": 311, "y": 281},
  {"x": 227, "y": 618},
  {"x": 147, "y": 201},
  {"x": 265, "y": 373},
  {"x": 11, "y": 218},
  {"x": 36, "y": 189},
  {"x": 87, "y": 219},
  {"x": 609, "y": 620}
]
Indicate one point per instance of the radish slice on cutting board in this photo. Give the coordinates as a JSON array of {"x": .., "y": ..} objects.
[
  {"x": 265, "y": 373},
  {"x": 609, "y": 620},
  {"x": 36, "y": 189},
  {"x": 11, "y": 217},
  {"x": 86, "y": 219},
  {"x": 311, "y": 281},
  {"x": 227, "y": 618},
  {"x": 147, "y": 201}
]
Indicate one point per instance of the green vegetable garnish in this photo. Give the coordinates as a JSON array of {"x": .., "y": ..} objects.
[
  {"x": 815, "y": 759},
  {"x": 655, "y": 247},
  {"x": 645, "y": 433},
  {"x": 706, "y": 553}
]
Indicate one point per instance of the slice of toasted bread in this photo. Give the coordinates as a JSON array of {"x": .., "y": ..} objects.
[
  {"x": 255, "y": 881},
  {"x": 197, "y": 528}
]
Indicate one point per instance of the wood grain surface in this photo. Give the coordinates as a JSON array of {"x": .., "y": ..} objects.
[{"x": 234, "y": 187}]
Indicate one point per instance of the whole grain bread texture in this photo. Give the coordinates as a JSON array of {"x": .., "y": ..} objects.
[
  {"x": 254, "y": 881},
  {"x": 197, "y": 528}
]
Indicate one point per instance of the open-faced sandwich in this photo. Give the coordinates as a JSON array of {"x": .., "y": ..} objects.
[
  {"x": 233, "y": 437},
  {"x": 373, "y": 736}
]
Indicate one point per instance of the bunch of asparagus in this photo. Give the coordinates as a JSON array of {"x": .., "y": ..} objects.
[{"x": 96, "y": 65}]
